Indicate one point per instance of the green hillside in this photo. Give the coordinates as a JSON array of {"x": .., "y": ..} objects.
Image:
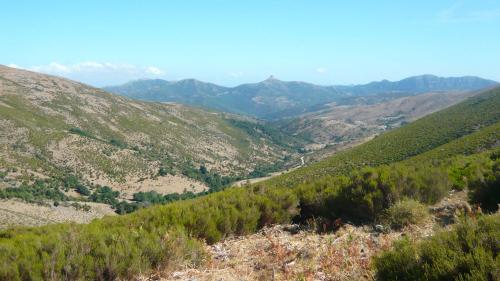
[{"x": 415, "y": 138}]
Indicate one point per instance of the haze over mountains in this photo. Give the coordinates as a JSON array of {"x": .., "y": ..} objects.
[{"x": 274, "y": 99}]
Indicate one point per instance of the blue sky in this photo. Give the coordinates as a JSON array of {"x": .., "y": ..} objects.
[{"x": 232, "y": 42}]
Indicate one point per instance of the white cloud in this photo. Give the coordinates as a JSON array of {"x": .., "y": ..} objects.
[
  {"x": 97, "y": 73},
  {"x": 236, "y": 74},
  {"x": 321, "y": 70},
  {"x": 154, "y": 70},
  {"x": 53, "y": 67}
]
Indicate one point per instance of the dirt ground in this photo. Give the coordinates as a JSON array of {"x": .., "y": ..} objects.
[
  {"x": 18, "y": 213},
  {"x": 292, "y": 252}
]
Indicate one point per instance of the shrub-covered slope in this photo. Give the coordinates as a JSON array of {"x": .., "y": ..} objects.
[
  {"x": 413, "y": 139},
  {"x": 167, "y": 236}
]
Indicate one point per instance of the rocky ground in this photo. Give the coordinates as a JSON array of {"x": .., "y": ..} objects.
[{"x": 295, "y": 252}]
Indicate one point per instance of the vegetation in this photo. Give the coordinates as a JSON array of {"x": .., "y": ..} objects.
[
  {"x": 115, "y": 138},
  {"x": 120, "y": 247},
  {"x": 214, "y": 180},
  {"x": 370, "y": 177},
  {"x": 406, "y": 212},
  {"x": 105, "y": 195},
  {"x": 469, "y": 252},
  {"x": 81, "y": 132},
  {"x": 421, "y": 136},
  {"x": 266, "y": 130},
  {"x": 35, "y": 193},
  {"x": 485, "y": 185},
  {"x": 82, "y": 189}
]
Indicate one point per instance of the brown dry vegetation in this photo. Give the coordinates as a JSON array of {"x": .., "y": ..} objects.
[{"x": 290, "y": 252}]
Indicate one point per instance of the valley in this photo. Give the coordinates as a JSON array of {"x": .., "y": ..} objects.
[
  {"x": 83, "y": 146},
  {"x": 226, "y": 194},
  {"x": 250, "y": 140}
]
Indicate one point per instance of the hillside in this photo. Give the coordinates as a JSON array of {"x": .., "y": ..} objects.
[
  {"x": 467, "y": 117},
  {"x": 337, "y": 124},
  {"x": 159, "y": 241},
  {"x": 275, "y": 99},
  {"x": 52, "y": 127}
]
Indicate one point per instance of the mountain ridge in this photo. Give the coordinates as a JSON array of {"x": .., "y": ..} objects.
[{"x": 274, "y": 99}]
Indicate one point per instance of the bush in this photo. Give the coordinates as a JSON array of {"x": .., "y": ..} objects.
[
  {"x": 105, "y": 195},
  {"x": 123, "y": 246},
  {"x": 118, "y": 143},
  {"x": 83, "y": 190},
  {"x": 404, "y": 213},
  {"x": 485, "y": 187},
  {"x": 469, "y": 252},
  {"x": 81, "y": 132},
  {"x": 372, "y": 191},
  {"x": 120, "y": 247}
]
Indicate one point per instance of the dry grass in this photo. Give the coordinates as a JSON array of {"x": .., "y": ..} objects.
[
  {"x": 295, "y": 253},
  {"x": 276, "y": 253},
  {"x": 18, "y": 213}
]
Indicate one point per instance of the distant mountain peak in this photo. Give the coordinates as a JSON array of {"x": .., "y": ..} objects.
[{"x": 271, "y": 78}]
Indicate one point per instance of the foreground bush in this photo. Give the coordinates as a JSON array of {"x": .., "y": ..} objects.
[
  {"x": 366, "y": 194},
  {"x": 485, "y": 185},
  {"x": 94, "y": 252},
  {"x": 406, "y": 212},
  {"x": 468, "y": 252}
]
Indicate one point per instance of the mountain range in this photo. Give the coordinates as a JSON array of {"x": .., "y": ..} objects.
[{"x": 275, "y": 99}]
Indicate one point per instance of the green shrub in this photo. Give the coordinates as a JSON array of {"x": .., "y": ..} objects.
[
  {"x": 404, "y": 213},
  {"x": 485, "y": 187},
  {"x": 469, "y": 252},
  {"x": 465, "y": 128},
  {"x": 372, "y": 191},
  {"x": 82, "y": 189},
  {"x": 105, "y": 195},
  {"x": 81, "y": 132},
  {"x": 118, "y": 143}
]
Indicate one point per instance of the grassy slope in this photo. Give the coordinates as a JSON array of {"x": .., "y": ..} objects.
[
  {"x": 118, "y": 137},
  {"x": 415, "y": 138}
]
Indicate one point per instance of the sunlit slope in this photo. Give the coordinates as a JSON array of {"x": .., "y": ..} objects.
[
  {"x": 429, "y": 132},
  {"x": 51, "y": 126}
]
